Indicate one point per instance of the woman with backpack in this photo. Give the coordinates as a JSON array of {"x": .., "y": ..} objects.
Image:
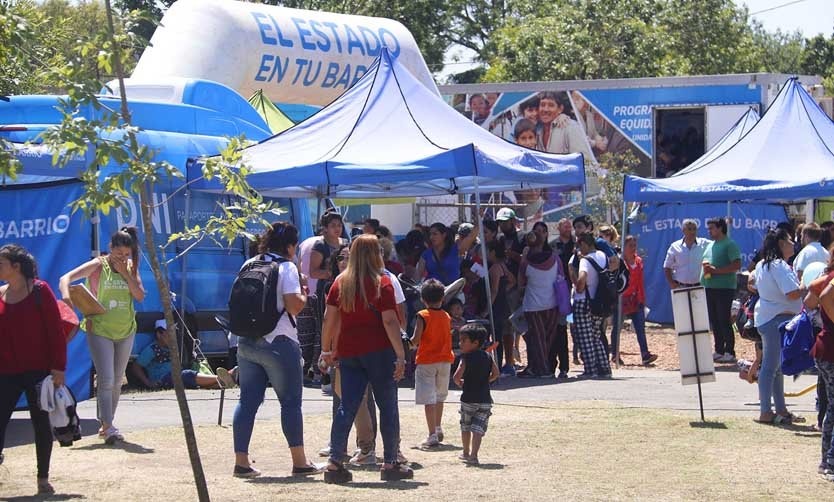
[
  {"x": 780, "y": 299},
  {"x": 114, "y": 280},
  {"x": 361, "y": 330},
  {"x": 32, "y": 346},
  {"x": 274, "y": 358}
]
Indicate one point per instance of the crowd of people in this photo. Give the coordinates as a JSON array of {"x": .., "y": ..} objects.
[{"x": 372, "y": 334}]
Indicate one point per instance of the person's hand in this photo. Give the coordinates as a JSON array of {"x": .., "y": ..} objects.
[
  {"x": 68, "y": 301},
  {"x": 58, "y": 378},
  {"x": 119, "y": 265},
  {"x": 399, "y": 369},
  {"x": 329, "y": 359},
  {"x": 709, "y": 268}
]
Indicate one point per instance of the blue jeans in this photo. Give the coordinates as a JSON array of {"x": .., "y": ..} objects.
[
  {"x": 771, "y": 381},
  {"x": 280, "y": 364},
  {"x": 638, "y": 321},
  {"x": 826, "y": 370},
  {"x": 376, "y": 368}
]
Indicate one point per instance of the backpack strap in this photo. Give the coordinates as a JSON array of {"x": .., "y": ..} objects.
[{"x": 279, "y": 260}]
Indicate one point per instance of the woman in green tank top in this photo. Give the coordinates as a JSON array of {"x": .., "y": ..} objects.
[{"x": 114, "y": 281}]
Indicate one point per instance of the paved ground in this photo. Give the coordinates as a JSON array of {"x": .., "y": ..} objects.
[{"x": 728, "y": 396}]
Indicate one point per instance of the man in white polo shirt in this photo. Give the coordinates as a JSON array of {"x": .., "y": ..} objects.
[{"x": 682, "y": 265}]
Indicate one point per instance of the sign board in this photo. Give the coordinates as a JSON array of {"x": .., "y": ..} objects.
[{"x": 689, "y": 306}]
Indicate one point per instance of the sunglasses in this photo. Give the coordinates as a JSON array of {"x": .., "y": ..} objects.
[{"x": 341, "y": 257}]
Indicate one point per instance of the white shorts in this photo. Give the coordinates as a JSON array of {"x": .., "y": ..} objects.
[{"x": 431, "y": 383}]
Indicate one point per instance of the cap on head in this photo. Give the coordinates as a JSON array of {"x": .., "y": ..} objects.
[
  {"x": 160, "y": 324},
  {"x": 465, "y": 229},
  {"x": 505, "y": 214}
]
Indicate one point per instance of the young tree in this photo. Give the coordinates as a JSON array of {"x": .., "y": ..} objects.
[{"x": 113, "y": 138}]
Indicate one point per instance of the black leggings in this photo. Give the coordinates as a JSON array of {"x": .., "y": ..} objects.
[{"x": 11, "y": 387}]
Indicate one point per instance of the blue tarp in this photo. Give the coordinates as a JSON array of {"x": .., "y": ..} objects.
[
  {"x": 657, "y": 226},
  {"x": 787, "y": 155},
  {"x": 390, "y": 136},
  {"x": 60, "y": 241}
]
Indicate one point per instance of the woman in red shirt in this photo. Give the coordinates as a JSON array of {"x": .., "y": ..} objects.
[
  {"x": 32, "y": 346},
  {"x": 362, "y": 331},
  {"x": 634, "y": 303}
]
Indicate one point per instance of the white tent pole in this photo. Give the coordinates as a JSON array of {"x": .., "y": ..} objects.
[
  {"x": 616, "y": 342},
  {"x": 729, "y": 217},
  {"x": 486, "y": 262}
]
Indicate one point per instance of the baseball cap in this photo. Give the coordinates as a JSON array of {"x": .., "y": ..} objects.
[
  {"x": 160, "y": 324},
  {"x": 465, "y": 229},
  {"x": 505, "y": 214}
]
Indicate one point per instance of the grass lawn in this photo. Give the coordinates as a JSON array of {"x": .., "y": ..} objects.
[{"x": 536, "y": 452}]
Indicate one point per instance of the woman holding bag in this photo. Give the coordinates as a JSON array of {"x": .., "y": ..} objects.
[
  {"x": 32, "y": 346},
  {"x": 537, "y": 275},
  {"x": 114, "y": 280},
  {"x": 634, "y": 303}
]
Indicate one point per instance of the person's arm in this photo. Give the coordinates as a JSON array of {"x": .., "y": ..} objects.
[
  {"x": 732, "y": 268},
  {"x": 467, "y": 242},
  {"x": 402, "y": 311},
  {"x": 392, "y": 329},
  {"x": 420, "y": 269},
  {"x": 330, "y": 328},
  {"x": 139, "y": 372},
  {"x": 788, "y": 282},
  {"x": 581, "y": 281},
  {"x": 134, "y": 282},
  {"x": 493, "y": 374},
  {"x": 293, "y": 289},
  {"x": 458, "y": 377},
  {"x": 51, "y": 319},
  {"x": 419, "y": 325},
  {"x": 673, "y": 284},
  {"x": 316, "y": 272},
  {"x": 827, "y": 301},
  {"x": 495, "y": 274},
  {"x": 80, "y": 272}
]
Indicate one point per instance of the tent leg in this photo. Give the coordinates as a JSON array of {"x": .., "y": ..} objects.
[
  {"x": 729, "y": 217},
  {"x": 96, "y": 248},
  {"x": 183, "y": 273},
  {"x": 486, "y": 265},
  {"x": 616, "y": 340},
  {"x": 584, "y": 200}
]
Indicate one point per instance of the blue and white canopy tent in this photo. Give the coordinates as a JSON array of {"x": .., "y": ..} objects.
[
  {"x": 787, "y": 155},
  {"x": 388, "y": 136}
]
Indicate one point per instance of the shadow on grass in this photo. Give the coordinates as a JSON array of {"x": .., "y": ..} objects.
[
  {"x": 38, "y": 498},
  {"x": 284, "y": 480},
  {"x": 127, "y": 446},
  {"x": 19, "y": 431},
  {"x": 487, "y": 467},
  {"x": 438, "y": 448},
  {"x": 389, "y": 485},
  {"x": 708, "y": 425}
]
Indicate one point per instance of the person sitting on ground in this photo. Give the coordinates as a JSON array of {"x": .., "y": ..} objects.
[
  {"x": 153, "y": 367},
  {"x": 476, "y": 371},
  {"x": 433, "y": 339}
]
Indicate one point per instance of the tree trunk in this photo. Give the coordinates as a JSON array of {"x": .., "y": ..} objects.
[{"x": 145, "y": 199}]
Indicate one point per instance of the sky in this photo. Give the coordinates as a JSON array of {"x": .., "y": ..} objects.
[{"x": 810, "y": 17}]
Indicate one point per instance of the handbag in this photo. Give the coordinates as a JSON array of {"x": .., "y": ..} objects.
[{"x": 562, "y": 290}]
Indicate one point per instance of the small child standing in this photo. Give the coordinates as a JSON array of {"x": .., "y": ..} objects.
[
  {"x": 476, "y": 371},
  {"x": 433, "y": 338}
]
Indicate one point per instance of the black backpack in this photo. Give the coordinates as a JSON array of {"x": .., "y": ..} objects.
[
  {"x": 253, "y": 302},
  {"x": 605, "y": 299}
]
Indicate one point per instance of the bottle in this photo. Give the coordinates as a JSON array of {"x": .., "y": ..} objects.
[{"x": 707, "y": 275}]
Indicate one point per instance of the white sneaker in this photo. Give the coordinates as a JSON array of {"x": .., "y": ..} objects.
[
  {"x": 111, "y": 435},
  {"x": 716, "y": 356},
  {"x": 360, "y": 458},
  {"x": 727, "y": 358},
  {"x": 325, "y": 452},
  {"x": 430, "y": 441},
  {"x": 439, "y": 433},
  {"x": 227, "y": 381}
]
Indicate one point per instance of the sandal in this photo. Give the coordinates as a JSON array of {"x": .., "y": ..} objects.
[
  {"x": 396, "y": 473},
  {"x": 337, "y": 476},
  {"x": 790, "y": 418}
]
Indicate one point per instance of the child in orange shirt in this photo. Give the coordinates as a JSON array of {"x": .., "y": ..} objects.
[{"x": 433, "y": 338}]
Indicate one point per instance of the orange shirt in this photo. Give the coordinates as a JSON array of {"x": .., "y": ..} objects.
[{"x": 436, "y": 340}]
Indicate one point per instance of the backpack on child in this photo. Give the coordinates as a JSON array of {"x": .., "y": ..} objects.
[
  {"x": 797, "y": 340},
  {"x": 605, "y": 299},
  {"x": 253, "y": 302}
]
